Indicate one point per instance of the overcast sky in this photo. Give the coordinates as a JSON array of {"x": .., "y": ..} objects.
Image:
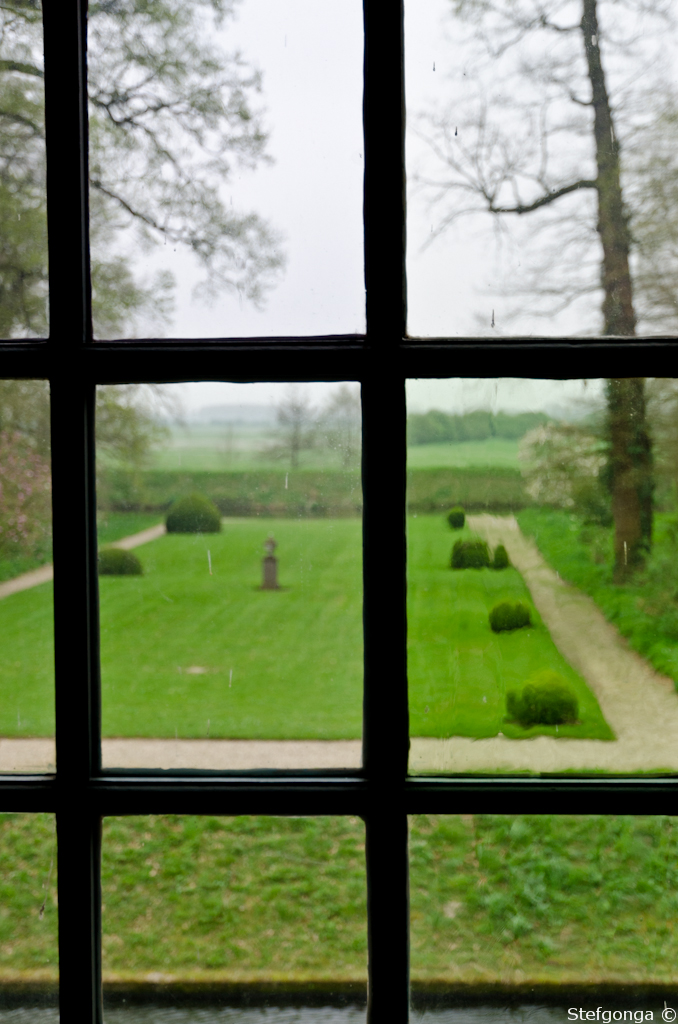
[
  {"x": 311, "y": 58},
  {"x": 454, "y": 395},
  {"x": 311, "y": 55}
]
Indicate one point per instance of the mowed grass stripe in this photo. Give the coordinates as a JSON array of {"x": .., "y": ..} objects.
[
  {"x": 459, "y": 670},
  {"x": 295, "y": 655}
]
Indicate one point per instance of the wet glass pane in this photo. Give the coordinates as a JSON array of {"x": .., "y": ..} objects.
[
  {"x": 230, "y": 583},
  {"x": 543, "y": 610},
  {"x": 531, "y": 911},
  {"x": 23, "y": 210},
  {"x": 29, "y": 961},
  {"x": 26, "y": 597},
  {"x": 541, "y": 159},
  {"x": 218, "y": 917},
  {"x": 224, "y": 201}
]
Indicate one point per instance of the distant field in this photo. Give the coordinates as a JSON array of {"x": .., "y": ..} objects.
[
  {"x": 222, "y": 448},
  {"x": 459, "y": 670},
  {"x": 493, "y": 452}
]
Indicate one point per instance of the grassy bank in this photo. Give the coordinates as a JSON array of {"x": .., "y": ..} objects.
[
  {"x": 644, "y": 610},
  {"x": 459, "y": 670},
  {"x": 575, "y": 899},
  {"x": 476, "y": 488}
]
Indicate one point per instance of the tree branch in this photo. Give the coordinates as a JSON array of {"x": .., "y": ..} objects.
[
  {"x": 25, "y": 69},
  {"x": 544, "y": 200}
]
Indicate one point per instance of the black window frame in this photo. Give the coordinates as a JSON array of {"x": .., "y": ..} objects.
[{"x": 80, "y": 793}]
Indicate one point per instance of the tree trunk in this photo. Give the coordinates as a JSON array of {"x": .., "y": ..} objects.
[
  {"x": 618, "y": 313},
  {"x": 630, "y": 449},
  {"x": 630, "y": 473}
]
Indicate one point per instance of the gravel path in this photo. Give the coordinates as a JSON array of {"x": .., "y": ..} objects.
[
  {"x": 46, "y": 572},
  {"x": 640, "y": 705}
]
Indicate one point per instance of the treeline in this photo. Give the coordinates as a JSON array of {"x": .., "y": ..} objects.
[{"x": 436, "y": 427}]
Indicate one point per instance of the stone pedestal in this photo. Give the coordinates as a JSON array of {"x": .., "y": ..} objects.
[{"x": 269, "y": 579}]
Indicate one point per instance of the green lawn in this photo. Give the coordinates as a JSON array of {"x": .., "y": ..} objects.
[
  {"x": 459, "y": 670},
  {"x": 645, "y": 610},
  {"x": 284, "y": 664},
  {"x": 568, "y": 899},
  {"x": 112, "y": 526},
  {"x": 494, "y": 451}
]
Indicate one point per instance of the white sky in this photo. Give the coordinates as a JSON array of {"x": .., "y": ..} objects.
[
  {"x": 453, "y": 395},
  {"x": 311, "y": 56}
]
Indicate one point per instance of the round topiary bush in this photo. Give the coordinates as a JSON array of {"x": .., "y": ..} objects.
[
  {"x": 116, "y": 562},
  {"x": 546, "y": 699},
  {"x": 506, "y": 616},
  {"x": 501, "y": 558},
  {"x": 194, "y": 514},
  {"x": 470, "y": 554},
  {"x": 456, "y": 517}
]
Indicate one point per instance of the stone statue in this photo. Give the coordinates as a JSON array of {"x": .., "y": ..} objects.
[{"x": 269, "y": 565}]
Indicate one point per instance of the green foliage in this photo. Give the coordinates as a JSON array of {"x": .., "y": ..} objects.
[
  {"x": 170, "y": 115},
  {"x": 116, "y": 562},
  {"x": 501, "y": 558},
  {"x": 437, "y": 427},
  {"x": 546, "y": 699},
  {"x": 470, "y": 554},
  {"x": 456, "y": 518},
  {"x": 193, "y": 514},
  {"x": 508, "y": 615}
]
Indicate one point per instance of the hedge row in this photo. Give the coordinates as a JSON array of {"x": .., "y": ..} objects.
[{"x": 310, "y": 492}]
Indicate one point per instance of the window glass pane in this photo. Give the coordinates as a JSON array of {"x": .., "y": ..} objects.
[
  {"x": 565, "y": 910},
  {"x": 543, "y": 617},
  {"x": 234, "y": 912},
  {"x": 542, "y": 162},
  {"x": 29, "y": 962},
  {"x": 26, "y": 601},
  {"x": 231, "y": 638},
  {"x": 224, "y": 201},
  {"x": 23, "y": 213}
]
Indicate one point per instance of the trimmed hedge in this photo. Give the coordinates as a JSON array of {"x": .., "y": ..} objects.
[
  {"x": 194, "y": 514},
  {"x": 116, "y": 562},
  {"x": 456, "y": 518},
  {"x": 506, "y": 616},
  {"x": 501, "y": 558},
  {"x": 470, "y": 554},
  {"x": 545, "y": 700}
]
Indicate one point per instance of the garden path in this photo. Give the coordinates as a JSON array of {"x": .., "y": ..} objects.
[
  {"x": 46, "y": 572},
  {"x": 640, "y": 705}
]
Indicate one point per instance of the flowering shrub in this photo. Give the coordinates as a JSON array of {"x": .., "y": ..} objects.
[
  {"x": 25, "y": 496},
  {"x": 556, "y": 459}
]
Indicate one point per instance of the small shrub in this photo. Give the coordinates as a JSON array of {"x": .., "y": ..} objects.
[
  {"x": 546, "y": 699},
  {"x": 456, "y": 517},
  {"x": 470, "y": 554},
  {"x": 116, "y": 562},
  {"x": 194, "y": 514},
  {"x": 506, "y": 616},
  {"x": 501, "y": 558}
]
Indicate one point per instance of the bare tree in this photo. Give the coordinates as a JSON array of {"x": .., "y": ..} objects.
[
  {"x": 550, "y": 144},
  {"x": 296, "y": 426},
  {"x": 340, "y": 424}
]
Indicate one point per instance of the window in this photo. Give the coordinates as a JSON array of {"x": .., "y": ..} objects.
[{"x": 81, "y": 793}]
